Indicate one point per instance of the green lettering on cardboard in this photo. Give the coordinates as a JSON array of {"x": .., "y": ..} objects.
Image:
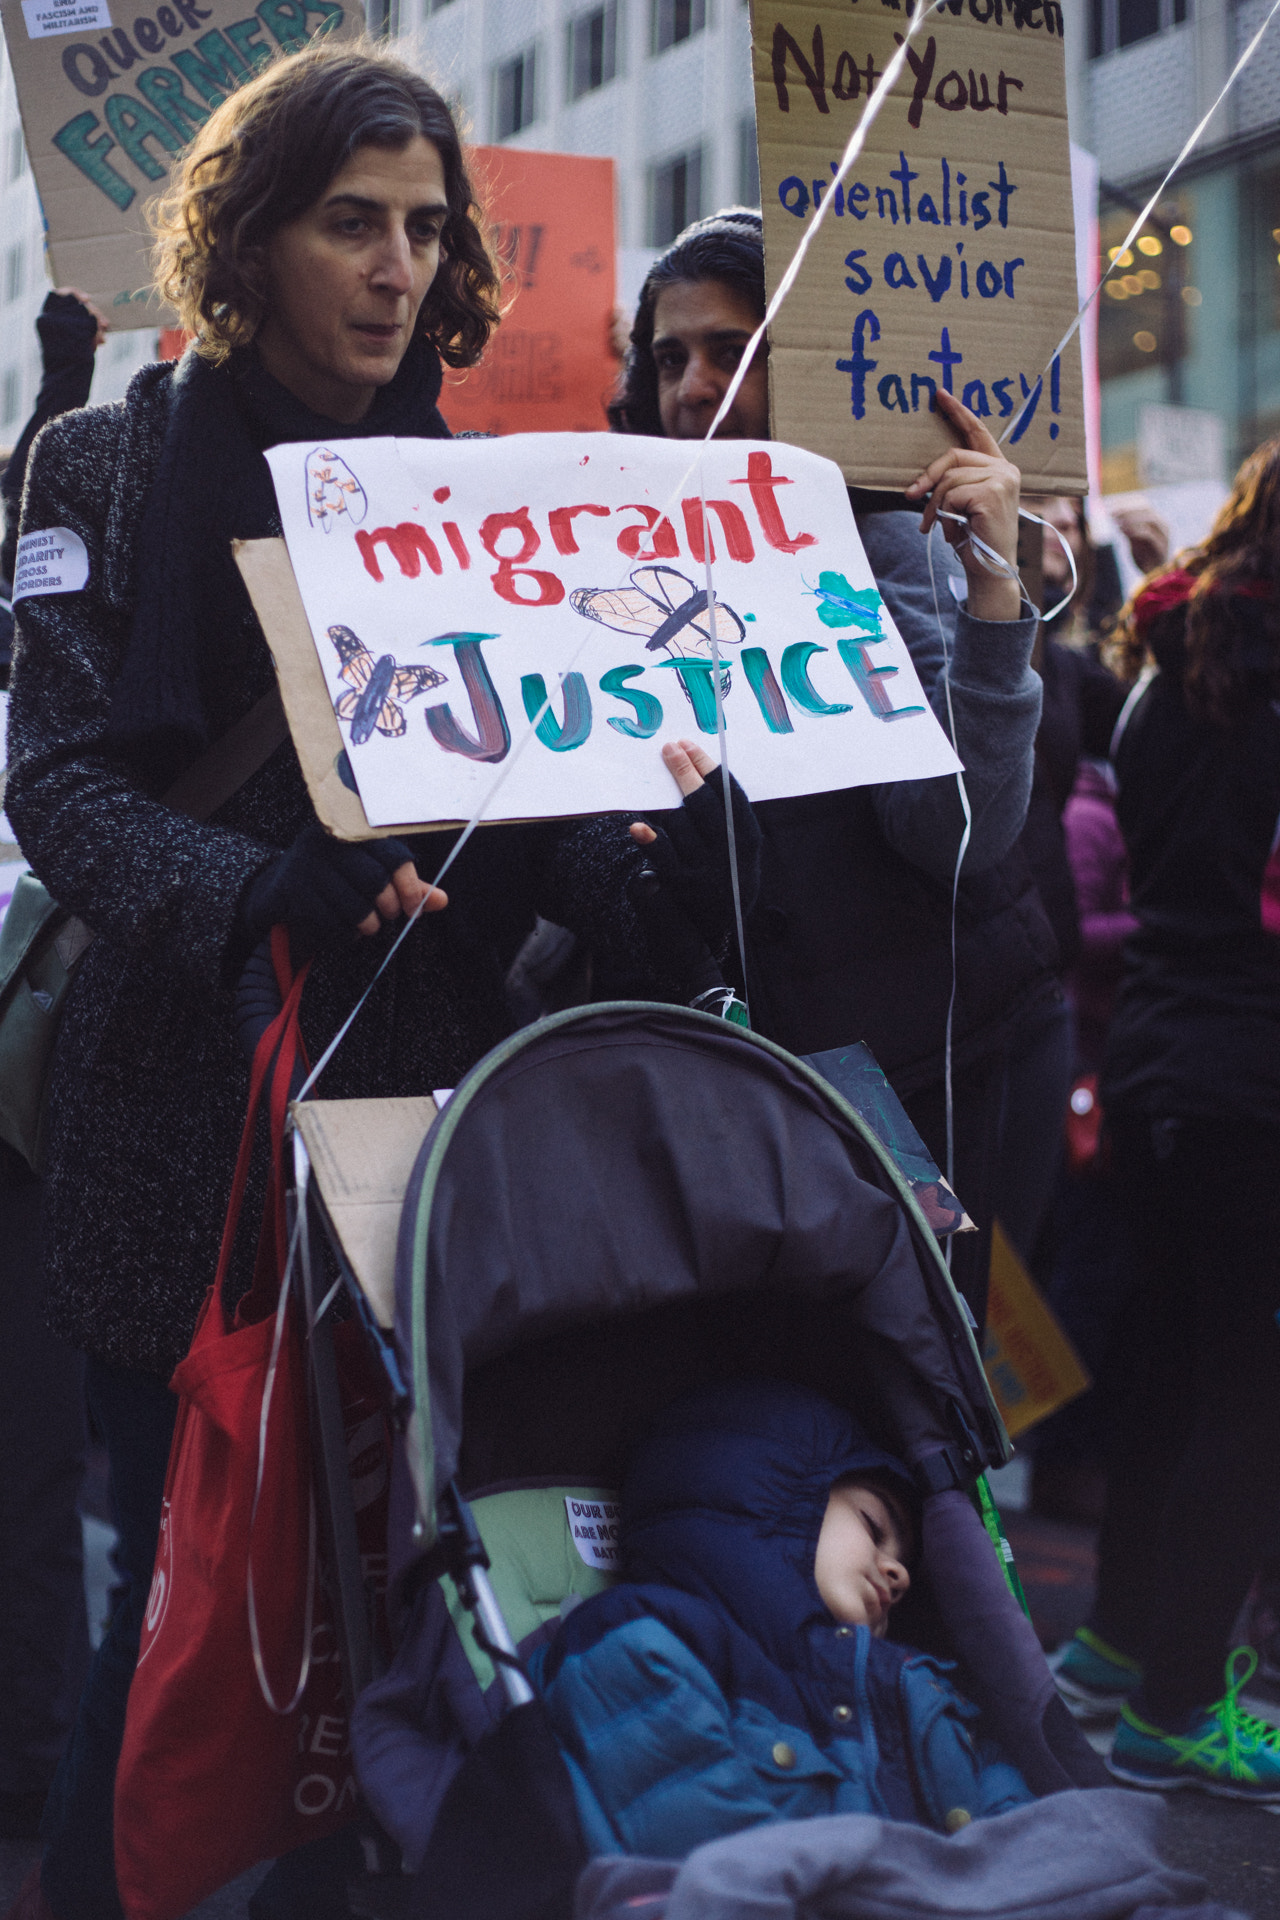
[
  {"x": 87, "y": 149},
  {"x": 213, "y": 68},
  {"x": 246, "y": 37},
  {"x": 286, "y": 20},
  {"x": 167, "y": 94},
  {"x": 134, "y": 124}
]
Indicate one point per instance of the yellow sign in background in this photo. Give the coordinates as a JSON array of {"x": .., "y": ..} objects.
[
  {"x": 1032, "y": 1367},
  {"x": 948, "y": 258}
]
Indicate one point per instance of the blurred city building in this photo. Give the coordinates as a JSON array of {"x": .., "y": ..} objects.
[
  {"x": 663, "y": 87},
  {"x": 1189, "y": 326}
]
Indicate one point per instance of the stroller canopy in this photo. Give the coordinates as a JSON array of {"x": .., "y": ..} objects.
[{"x": 626, "y": 1200}]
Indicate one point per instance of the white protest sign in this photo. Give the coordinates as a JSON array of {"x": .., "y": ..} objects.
[
  {"x": 448, "y": 585},
  {"x": 46, "y": 17}
]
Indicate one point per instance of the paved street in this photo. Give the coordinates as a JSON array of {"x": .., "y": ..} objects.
[{"x": 1236, "y": 1849}]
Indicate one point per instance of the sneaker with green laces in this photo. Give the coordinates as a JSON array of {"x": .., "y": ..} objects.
[
  {"x": 1094, "y": 1678},
  {"x": 1224, "y": 1751}
]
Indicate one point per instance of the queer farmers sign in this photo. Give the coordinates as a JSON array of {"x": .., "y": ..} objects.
[
  {"x": 110, "y": 96},
  {"x": 948, "y": 256},
  {"x": 448, "y": 587}
]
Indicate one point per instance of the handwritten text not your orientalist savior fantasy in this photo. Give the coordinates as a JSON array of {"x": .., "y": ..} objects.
[{"x": 933, "y": 202}]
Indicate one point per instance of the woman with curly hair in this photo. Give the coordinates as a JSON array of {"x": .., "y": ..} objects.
[
  {"x": 321, "y": 242},
  {"x": 1191, "y": 1087}
]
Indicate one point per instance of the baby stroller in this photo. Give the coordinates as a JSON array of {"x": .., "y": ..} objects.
[{"x": 618, "y": 1205}]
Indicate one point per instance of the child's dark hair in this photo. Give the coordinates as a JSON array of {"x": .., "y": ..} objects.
[{"x": 726, "y": 246}]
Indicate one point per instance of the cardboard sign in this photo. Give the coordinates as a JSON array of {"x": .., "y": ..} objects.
[
  {"x": 548, "y": 368},
  {"x": 449, "y": 585},
  {"x": 1032, "y": 1367},
  {"x": 948, "y": 259},
  {"x": 856, "y": 1075},
  {"x": 110, "y": 98}
]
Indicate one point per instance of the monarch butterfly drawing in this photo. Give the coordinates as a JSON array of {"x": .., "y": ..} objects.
[
  {"x": 376, "y": 687},
  {"x": 669, "y": 610}
]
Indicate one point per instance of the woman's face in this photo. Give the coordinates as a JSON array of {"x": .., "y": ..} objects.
[
  {"x": 1062, "y": 513},
  {"x": 345, "y": 279},
  {"x": 700, "y": 328}
]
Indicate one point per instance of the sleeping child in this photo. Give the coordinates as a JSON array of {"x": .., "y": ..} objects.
[{"x": 741, "y": 1672}]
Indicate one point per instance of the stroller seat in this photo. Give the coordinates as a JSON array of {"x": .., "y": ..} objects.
[{"x": 541, "y": 1561}]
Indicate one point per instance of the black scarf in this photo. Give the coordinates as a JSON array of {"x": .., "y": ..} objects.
[{"x": 192, "y": 621}]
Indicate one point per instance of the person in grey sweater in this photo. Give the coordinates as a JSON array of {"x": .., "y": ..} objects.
[{"x": 852, "y": 934}]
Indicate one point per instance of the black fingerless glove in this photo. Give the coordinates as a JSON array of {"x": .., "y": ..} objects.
[
  {"x": 691, "y": 858},
  {"x": 320, "y": 889}
]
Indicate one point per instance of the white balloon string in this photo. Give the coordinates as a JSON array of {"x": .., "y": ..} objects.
[
  {"x": 994, "y": 562},
  {"x": 722, "y": 741}
]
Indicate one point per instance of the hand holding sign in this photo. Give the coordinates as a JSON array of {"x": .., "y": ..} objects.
[
  {"x": 976, "y": 481},
  {"x": 689, "y": 894}
]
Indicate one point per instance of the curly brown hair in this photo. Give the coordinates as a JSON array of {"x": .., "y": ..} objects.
[
  {"x": 269, "y": 152},
  {"x": 1240, "y": 560}
]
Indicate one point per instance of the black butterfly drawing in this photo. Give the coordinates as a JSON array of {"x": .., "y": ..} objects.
[
  {"x": 376, "y": 687},
  {"x": 668, "y": 609}
]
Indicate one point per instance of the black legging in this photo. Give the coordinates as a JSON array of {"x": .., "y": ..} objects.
[{"x": 1194, "y": 1488}]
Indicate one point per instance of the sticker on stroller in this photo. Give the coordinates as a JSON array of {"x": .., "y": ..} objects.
[
  {"x": 561, "y": 601},
  {"x": 594, "y": 1527}
]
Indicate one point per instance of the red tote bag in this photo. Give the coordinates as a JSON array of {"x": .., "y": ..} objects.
[{"x": 235, "y": 1745}]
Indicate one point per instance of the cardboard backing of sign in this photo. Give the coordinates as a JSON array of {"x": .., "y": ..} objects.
[
  {"x": 548, "y": 368},
  {"x": 362, "y": 1155},
  {"x": 948, "y": 258},
  {"x": 110, "y": 96},
  {"x": 273, "y": 589}
]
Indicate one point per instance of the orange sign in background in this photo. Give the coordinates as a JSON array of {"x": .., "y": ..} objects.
[{"x": 548, "y": 368}]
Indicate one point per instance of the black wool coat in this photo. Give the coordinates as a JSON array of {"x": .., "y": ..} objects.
[{"x": 149, "y": 1087}]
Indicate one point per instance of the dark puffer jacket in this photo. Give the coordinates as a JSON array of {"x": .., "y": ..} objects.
[
  {"x": 149, "y": 1087},
  {"x": 712, "y": 1691}
]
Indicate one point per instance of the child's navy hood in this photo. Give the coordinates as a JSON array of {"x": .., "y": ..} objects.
[{"x": 726, "y": 1497}]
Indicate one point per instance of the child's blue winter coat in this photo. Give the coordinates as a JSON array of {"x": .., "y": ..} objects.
[{"x": 712, "y": 1690}]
